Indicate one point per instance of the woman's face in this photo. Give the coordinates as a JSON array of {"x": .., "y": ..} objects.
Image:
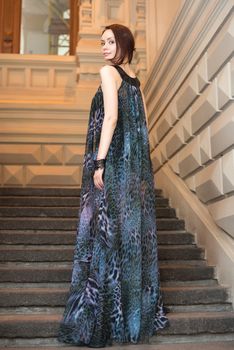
[{"x": 108, "y": 44}]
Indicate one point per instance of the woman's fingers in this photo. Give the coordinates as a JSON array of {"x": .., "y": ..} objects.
[{"x": 98, "y": 180}]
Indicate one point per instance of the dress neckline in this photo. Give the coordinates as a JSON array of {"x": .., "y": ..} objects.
[{"x": 131, "y": 80}]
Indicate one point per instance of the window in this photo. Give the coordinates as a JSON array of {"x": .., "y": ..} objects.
[{"x": 45, "y": 27}]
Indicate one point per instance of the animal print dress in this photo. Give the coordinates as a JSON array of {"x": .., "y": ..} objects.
[{"x": 114, "y": 294}]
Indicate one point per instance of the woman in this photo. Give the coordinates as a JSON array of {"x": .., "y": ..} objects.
[{"x": 114, "y": 294}]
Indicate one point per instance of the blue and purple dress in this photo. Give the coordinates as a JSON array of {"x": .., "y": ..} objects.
[{"x": 115, "y": 294}]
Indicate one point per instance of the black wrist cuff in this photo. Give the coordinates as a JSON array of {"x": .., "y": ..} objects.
[{"x": 99, "y": 164}]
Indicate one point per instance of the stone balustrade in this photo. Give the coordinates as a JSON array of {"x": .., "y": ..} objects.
[{"x": 43, "y": 121}]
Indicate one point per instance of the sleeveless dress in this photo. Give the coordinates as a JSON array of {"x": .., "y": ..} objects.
[{"x": 114, "y": 294}]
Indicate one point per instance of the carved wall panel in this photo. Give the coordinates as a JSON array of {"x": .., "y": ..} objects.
[{"x": 193, "y": 117}]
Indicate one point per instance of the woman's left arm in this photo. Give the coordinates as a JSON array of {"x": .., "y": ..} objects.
[{"x": 110, "y": 97}]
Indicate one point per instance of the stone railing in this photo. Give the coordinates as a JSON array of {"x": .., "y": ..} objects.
[
  {"x": 189, "y": 92},
  {"x": 43, "y": 121}
]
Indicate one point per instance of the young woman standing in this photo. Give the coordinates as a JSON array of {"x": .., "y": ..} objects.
[{"x": 115, "y": 294}]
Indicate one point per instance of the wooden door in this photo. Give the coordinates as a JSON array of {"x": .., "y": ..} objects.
[
  {"x": 74, "y": 25},
  {"x": 10, "y": 18}
]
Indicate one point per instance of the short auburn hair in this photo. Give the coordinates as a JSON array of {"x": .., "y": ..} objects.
[{"x": 125, "y": 42}]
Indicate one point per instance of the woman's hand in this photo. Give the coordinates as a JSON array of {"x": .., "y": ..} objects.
[{"x": 98, "y": 179}]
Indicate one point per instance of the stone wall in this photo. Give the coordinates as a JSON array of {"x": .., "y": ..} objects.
[{"x": 189, "y": 92}]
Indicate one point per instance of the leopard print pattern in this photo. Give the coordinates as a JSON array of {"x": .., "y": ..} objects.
[{"x": 115, "y": 294}]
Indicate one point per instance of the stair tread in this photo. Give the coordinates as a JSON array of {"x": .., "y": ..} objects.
[
  {"x": 71, "y": 246},
  {"x": 189, "y": 286},
  {"x": 180, "y": 346},
  {"x": 42, "y": 218},
  {"x": 45, "y": 317},
  {"x": 62, "y": 232},
  {"x": 12, "y": 264},
  {"x": 65, "y": 289}
]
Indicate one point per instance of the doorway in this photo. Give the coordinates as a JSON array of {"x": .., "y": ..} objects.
[{"x": 48, "y": 27}]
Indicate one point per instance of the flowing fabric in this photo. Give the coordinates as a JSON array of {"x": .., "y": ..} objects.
[{"x": 115, "y": 293}]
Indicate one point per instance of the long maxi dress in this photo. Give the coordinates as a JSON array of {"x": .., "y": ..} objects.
[{"x": 115, "y": 290}]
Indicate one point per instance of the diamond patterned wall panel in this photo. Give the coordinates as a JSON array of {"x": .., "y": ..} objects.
[
  {"x": 153, "y": 138},
  {"x": 232, "y": 78},
  {"x": 209, "y": 183},
  {"x": 187, "y": 125},
  {"x": 20, "y": 154},
  {"x": 202, "y": 73},
  {"x": 156, "y": 159},
  {"x": 53, "y": 154},
  {"x": 222, "y": 131},
  {"x": 223, "y": 214},
  {"x": 163, "y": 125},
  {"x": 163, "y": 151},
  {"x": 224, "y": 86},
  {"x": 13, "y": 175},
  {"x": 205, "y": 107},
  {"x": 173, "y": 112},
  {"x": 190, "y": 182},
  {"x": 73, "y": 154},
  {"x": 52, "y": 175},
  {"x": 188, "y": 93},
  {"x": 189, "y": 158},
  {"x": 221, "y": 48},
  {"x": 228, "y": 172},
  {"x": 174, "y": 164},
  {"x": 205, "y": 146},
  {"x": 176, "y": 140}
]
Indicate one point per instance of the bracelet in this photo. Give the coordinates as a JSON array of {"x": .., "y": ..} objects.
[{"x": 99, "y": 164}]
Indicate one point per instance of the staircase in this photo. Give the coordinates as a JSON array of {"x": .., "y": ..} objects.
[{"x": 37, "y": 235}]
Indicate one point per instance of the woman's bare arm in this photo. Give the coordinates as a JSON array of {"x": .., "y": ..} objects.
[{"x": 110, "y": 97}]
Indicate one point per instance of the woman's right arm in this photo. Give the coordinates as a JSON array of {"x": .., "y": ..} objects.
[{"x": 110, "y": 96}]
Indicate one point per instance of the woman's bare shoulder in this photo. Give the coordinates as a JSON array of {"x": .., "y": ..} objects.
[{"x": 107, "y": 70}]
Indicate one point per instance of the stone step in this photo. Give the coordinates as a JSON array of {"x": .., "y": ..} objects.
[
  {"x": 67, "y": 212},
  {"x": 61, "y": 272},
  {"x": 48, "y": 191},
  {"x": 38, "y": 310},
  {"x": 46, "y": 325},
  {"x": 197, "y": 344},
  {"x": 68, "y": 237},
  {"x": 65, "y": 285},
  {"x": 71, "y": 224},
  {"x": 65, "y": 253},
  {"x": 56, "y": 296},
  {"x": 42, "y": 191},
  {"x": 21, "y": 201}
]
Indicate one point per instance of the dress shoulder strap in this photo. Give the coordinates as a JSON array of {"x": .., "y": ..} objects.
[{"x": 133, "y": 81}]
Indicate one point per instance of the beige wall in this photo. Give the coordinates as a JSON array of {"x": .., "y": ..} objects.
[
  {"x": 189, "y": 92},
  {"x": 160, "y": 16}
]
